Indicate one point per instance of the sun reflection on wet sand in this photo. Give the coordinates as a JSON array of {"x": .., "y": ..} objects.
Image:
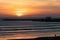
[{"x": 28, "y": 36}]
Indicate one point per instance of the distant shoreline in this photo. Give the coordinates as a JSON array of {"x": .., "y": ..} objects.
[
  {"x": 46, "y": 19},
  {"x": 40, "y": 20}
]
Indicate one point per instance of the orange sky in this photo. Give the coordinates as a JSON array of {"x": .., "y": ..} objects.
[{"x": 29, "y": 7}]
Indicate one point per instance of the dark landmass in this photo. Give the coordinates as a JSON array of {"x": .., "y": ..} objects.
[
  {"x": 41, "y": 38},
  {"x": 47, "y": 19},
  {"x": 13, "y": 29}
]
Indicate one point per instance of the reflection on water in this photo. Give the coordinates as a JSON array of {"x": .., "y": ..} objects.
[
  {"x": 28, "y": 36},
  {"x": 28, "y": 29}
]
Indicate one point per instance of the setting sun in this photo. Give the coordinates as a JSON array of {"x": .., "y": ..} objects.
[{"x": 19, "y": 14}]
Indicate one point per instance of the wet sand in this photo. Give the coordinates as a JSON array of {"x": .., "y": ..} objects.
[
  {"x": 31, "y": 36},
  {"x": 41, "y": 38}
]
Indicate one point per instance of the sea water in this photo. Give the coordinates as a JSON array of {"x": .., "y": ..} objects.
[{"x": 28, "y": 29}]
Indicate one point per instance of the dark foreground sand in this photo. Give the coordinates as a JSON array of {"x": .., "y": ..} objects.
[{"x": 41, "y": 38}]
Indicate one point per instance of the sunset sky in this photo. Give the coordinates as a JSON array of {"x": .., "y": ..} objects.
[{"x": 29, "y": 8}]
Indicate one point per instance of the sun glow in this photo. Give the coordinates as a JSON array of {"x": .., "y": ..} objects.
[{"x": 19, "y": 14}]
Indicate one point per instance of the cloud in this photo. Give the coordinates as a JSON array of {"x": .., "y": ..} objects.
[{"x": 46, "y": 7}]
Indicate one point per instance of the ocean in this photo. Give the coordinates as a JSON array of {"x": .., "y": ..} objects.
[{"x": 28, "y": 29}]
